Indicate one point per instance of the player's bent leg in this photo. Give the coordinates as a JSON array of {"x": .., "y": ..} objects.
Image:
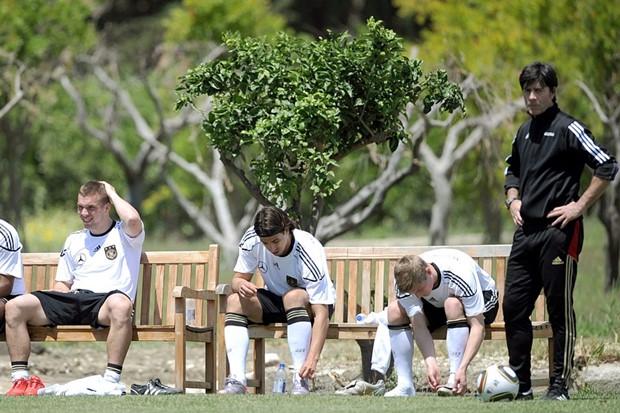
[{"x": 116, "y": 312}]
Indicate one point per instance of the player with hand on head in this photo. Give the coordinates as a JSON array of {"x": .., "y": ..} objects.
[
  {"x": 298, "y": 291},
  {"x": 439, "y": 287},
  {"x": 96, "y": 284}
]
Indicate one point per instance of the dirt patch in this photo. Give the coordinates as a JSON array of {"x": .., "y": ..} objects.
[{"x": 340, "y": 363}]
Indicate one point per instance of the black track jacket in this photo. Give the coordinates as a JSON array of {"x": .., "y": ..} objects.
[{"x": 549, "y": 153}]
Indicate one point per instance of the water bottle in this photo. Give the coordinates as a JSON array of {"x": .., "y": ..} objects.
[
  {"x": 279, "y": 382},
  {"x": 371, "y": 318},
  {"x": 190, "y": 312}
]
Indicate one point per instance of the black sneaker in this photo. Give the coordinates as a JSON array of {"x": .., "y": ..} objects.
[
  {"x": 525, "y": 395},
  {"x": 556, "y": 392},
  {"x": 154, "y": 387}
]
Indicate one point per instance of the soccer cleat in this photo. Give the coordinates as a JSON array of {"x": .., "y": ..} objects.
[
  {"x": 19, "y": 387},
  {"x": 445, "y": 391},
  {"x": 362, "y": 388},
  {"x": 232, "y": 386},
  {"x": 556, "y": 392},
  {"x": 301, "y": 387},
  {"x": 34, "y": 384},
  {"x": 526, "y": 395},
  {"x": 401, "y": 392},
  {"x": 154, "y": 387}
]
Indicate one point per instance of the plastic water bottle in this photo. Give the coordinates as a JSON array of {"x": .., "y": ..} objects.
[
  {"x": 371, "y": 318},
  {"x": 279, "y": 382},
  {"x": 190, "y": 312}
]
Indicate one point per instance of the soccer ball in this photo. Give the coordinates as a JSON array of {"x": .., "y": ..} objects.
[{"x": 497, "y": 383}]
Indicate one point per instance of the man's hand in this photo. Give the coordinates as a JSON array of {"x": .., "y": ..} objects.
[
  {"x": 515, "y": 212},
  {"x": 246, "y": 289},
  {"x": 565, "y": 214}
]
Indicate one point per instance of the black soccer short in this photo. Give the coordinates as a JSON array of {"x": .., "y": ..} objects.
[
  {"x": 80, "y": 307},
  {"x": 273, "y": 307},
  {"x": 436, "y": 316}
]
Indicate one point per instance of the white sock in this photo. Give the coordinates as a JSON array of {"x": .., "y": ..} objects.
[
  {"x": 381, "y": 350},
  {"x": 456, "y": 341},
  {"x": 402, "y": 349},
  {"x": 237, "y": 345},
  {"x": 20, "y": 374},
  {"x": 299, "y": 335},
  {"x": 111, "y": 376}
]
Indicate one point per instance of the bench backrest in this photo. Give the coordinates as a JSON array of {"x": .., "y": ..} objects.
[
  {"x": 364, "y": 276},
  {"x": 160, "y": 272}
]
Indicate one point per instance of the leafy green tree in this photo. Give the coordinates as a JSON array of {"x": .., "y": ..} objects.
[
  {"x": 199, "y": 20},
  {"x": 34, "y": 36},
  {"x": 286, "y": 112}
]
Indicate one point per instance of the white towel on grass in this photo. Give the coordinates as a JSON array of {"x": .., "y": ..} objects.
[{"x": 88, "y": 386}]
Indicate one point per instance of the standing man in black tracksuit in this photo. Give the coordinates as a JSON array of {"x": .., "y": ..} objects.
[{"x": 549, "y": 153}]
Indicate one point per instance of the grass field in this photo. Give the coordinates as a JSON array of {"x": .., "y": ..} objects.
[{"x": 580, "y": 403}]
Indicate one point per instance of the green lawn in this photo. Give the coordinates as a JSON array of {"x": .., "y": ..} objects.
[{"x": 581, "y": 403}]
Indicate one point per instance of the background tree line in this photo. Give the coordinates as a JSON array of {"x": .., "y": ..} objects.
[{"x": 88, "y": 90}]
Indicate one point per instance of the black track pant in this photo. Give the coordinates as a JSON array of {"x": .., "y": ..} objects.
[{"x": 543, "y": 258}]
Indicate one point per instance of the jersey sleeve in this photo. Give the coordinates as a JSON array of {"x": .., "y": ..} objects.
[
  {"x": 315, "y": 273},
  {"x": 66, "y": 264},
  {"x": 247, "y": 261}
]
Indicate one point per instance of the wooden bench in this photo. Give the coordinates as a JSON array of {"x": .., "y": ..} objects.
[
  {"x": 159, "y": 306},
  {"x": 363, "y": 278}
]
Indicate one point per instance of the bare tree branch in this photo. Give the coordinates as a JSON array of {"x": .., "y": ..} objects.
[{"x": 18, "y": 93}]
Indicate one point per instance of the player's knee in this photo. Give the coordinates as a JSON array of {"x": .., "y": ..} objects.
[{"x": 119, "y": 306}]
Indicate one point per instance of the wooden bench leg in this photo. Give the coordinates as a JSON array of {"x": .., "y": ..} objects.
[
  {"x": 259, "y": 365},
  {"x": 180, "y": 346}
]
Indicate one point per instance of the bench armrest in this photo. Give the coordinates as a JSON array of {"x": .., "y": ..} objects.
[
  {"x": 223, "y": 289},
  {"x": 187, "y": 292}
]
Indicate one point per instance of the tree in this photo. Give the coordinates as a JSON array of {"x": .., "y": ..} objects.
[
  {"x": 30, "y": 50},
  {"x": 287, "y": 111},
  {"x": 494, "y": 40}
]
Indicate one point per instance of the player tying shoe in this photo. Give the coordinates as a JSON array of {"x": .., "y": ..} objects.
[{"x": 437, "y": 288}]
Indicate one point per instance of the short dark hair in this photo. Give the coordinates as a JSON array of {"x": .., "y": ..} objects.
[
  {"x": 95, "y": 188},
  {"x": 270, "y": 221},
  {"x": 539, "y": 72}
]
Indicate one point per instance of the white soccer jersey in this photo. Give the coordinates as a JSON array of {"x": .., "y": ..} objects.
[
  {"x": 305, "y": 267},
  {"x": 101, "y": 263},
  {"x": 11, "y": 257},
  {"x": 460, "y": 276}
]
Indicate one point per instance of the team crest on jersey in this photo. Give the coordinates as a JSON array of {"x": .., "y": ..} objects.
[
  {"x": 110, "y": 252},
  {"x": 291, "y": 281}
]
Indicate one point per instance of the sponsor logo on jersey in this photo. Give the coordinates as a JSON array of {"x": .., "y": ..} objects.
[
  {"x": 550, "y": 133},
  {"x": 557, "y": 261},
  {"x": 81, "y": 259},
  {"x": 262, "y": 267},
  {"x": 291, "y": 281},
  {"x": 110, "y": 252}
]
